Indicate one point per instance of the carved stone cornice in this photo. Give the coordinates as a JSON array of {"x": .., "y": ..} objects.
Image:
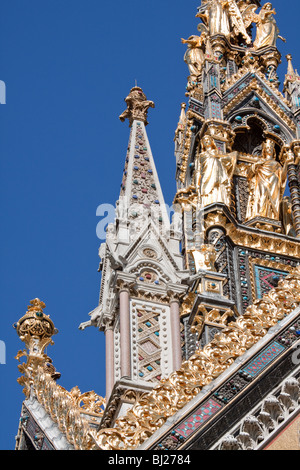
[{"x": 176, "y": 292}]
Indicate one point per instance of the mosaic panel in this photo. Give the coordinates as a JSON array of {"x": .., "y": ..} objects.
[
  {"x": 149, "y": 350},
  {"x": 263, "y": 360},
  {"x": 198, "y": 418},
  {"x": 34, "y": 432},
  {"x": 259, "y": 272}
]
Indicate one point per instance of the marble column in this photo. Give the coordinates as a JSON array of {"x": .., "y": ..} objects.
[
  {"x": 125, "y": 337},
  {"x": 175, "y": 332},
  {"x": 109, "y": 352}
]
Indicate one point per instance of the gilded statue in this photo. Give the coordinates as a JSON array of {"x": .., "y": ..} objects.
[
  {"x": 267, "y": 181},
  {"x": 213, "y": 173},
  {"x": 238, "y": 19},
  {"x": 194, "y": 56},
  {"x": 228, "y": 18},
  {"x": 286, "y": 217},
  {"x": 216, "y": 17},
  {"x": 267, "y": 31},
  {"x": 205, "y": 258}
]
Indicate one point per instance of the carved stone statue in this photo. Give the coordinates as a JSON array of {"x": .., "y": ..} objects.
[
  {"x": 213, "y": 173},
  {"x": 267, "y": 30},
  {"x": 267, "y": 181},
  {"x": 194, "y": 56}
]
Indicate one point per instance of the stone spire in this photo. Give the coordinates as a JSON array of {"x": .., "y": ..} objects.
[{"x": 141, "y": 193}]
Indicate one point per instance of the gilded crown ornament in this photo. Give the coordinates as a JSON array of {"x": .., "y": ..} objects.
[{"x": 36, "y": 328}]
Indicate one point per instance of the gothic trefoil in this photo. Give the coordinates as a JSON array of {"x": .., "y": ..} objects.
[{"x": 201, "y": 312}]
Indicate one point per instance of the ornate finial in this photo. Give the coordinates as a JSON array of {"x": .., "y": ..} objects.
[
  {"x": 290, "y": 70},
  {"x": 35, "y": 329},
  {"x": 137, "y": 106}
]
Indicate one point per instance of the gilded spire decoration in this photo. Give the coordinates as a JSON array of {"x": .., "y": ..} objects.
[
  {"x": 36, "y": 330},
  {"x": 137, "y": 106}
]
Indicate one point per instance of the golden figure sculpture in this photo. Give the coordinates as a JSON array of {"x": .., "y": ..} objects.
[
  {"x": 213, "y": 173},
  {"x": 194, "y": 56},
  {"x": 286, "y": 217},
  {"x": 267, "y": 30},
  {"x": 216, "y": 17},
  {"x": 205, "y": 258},
  {"x": 267, "y": 180},
  {"x": 238, "y": 19},
  {"x": 228, "y": 18}
]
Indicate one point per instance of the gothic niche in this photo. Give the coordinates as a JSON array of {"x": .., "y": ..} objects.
[
  {"x": 249, "y": 140},
  {"x": 251, "y": 143}
]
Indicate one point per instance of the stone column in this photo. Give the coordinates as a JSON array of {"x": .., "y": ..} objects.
[
  {"x": 109, "y": 359},
  {"x": 175, "y": 332},
  {"x": 125, "y": 337}
]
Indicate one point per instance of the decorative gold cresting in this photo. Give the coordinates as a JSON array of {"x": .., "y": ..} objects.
[
  {"x": 74, "y": 412},
  {"x": 137, "y": 106}
]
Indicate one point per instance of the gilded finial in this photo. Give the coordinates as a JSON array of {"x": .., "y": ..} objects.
[
  {"x": 35, "y": 329},
  {"x": 137, "y": 106}
]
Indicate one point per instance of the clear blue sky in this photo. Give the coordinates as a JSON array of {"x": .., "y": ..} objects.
[{"x": 68, "y": 65}]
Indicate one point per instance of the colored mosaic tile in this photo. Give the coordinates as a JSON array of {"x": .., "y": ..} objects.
[
  {"x": 198, "y": 418},
  {"x": 263, "y": 360},
  {"x": 266, "y": 279}
]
